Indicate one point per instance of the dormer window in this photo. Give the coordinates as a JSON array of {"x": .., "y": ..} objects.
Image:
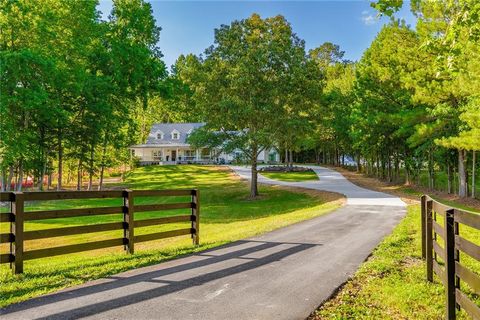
[
  {"x": 160, "y": 135},
  {"x": 175, "y": 135}
]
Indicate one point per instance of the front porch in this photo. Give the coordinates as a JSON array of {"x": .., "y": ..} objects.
[{"x": 169, "y": 155}]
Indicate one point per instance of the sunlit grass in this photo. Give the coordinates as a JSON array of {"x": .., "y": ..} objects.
[{"x": 291, "y": 176}]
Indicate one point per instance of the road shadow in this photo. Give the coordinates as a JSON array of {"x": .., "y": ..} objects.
[{"x": 255, "y": 253}]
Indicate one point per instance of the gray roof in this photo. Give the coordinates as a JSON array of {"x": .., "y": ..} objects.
[{"x": 166, "y": 130}]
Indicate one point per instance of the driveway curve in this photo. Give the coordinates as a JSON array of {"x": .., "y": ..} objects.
[
  {"x": 284, "y": 274},
  {"x": 330, "y": 180}
]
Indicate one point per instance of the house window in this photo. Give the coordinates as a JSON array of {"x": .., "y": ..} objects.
[
  {"x": 133, "y": 153},
  {"x": 157, "y": 155},
  {"x": 160, "y": 135},
  {"x": 175, "y": 135},
  {"x": 190, "y": 154}
]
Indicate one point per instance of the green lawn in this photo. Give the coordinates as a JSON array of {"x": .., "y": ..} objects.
[
  {"x": 227, "y": 215},
  {"x": 291, "y": 176},
  {"x": 391, "y": 284}
]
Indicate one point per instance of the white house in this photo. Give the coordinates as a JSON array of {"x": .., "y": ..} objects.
[{"x": 167, "y": 144}]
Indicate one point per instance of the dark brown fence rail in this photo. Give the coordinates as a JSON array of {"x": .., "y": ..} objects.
[
  {"x": 17, "y": 217},
  {"x": 445, "y": 261}
]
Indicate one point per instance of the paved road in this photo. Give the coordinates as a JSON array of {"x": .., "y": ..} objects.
[{"x": 284, "y": 274}]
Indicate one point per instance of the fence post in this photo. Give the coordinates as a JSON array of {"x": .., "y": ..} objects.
[
  {"x": 128, "y": 219},
  {"x": 196, "y": 216},
  {"x": 450, "y": 263},
  {"x": 16, "y": 228},
  {"x": 429, "y": 240},
  {"x": 423, "y": 225}
]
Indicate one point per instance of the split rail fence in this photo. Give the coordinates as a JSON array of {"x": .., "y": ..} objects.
[
  {"x": 439, "y": 220},
  {"x": 17, "y": 217}
]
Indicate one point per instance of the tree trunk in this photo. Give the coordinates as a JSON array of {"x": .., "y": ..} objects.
[
  {"x": 102, "y": 167},
  {"x": 407, "y": 176},
  {"x": 473, "y": 174},
  {"x": 79, "y": 175},
  {"x": 290, "y": 163},
  {"x": 20, "y": 176},
  {"x": 60, "y": 162},
  {"x": 9, "y": 179},
  {"x": 3, "y": 178},
  {"x": 253, "y": 183},
  {"x": 90, "y": 169},
  {"x": 100, "y": 180},
  {"x": 462, "y": 175},
  {"x": 50, "y": 179},
  {"x": 42, "y": 174},
  {"x": 449, "y": 178}
]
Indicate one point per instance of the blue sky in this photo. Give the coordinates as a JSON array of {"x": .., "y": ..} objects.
[{"x": 188, "y": 26}]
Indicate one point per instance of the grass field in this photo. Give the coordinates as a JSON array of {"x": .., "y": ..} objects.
[
  {"x": 291, "y": 176},
  {"x": 226, "y": 216},
  {"x": 392, "y": 283}
]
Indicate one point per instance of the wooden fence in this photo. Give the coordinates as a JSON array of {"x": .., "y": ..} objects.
[
  {"x": 17, "y": 217},
  {"x": 445, "y": 261}
]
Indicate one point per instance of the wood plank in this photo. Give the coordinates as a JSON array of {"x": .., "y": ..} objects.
[
  {"x": 163, "y": 220},
  {"x": 466, "y": 304},
  {"x": 439, "y": 250},
  {"x": 162, "y": 193},
  {"x": 129, "y": 218},
  {"x": 196, "y": 214},
  {"x": 55, "y": 251},
  {"x": 67, "y": 231},
  {"x": 163, "y": 206},
  {"x": 7, "y": 217},
  {"x": 440, "y": 208},
  {"x": 468, "y": 218},
  {"x": 62, "y": 195},
  {"x": 6, "y": 196},
  {"x": 6, "y": 237},
  {"x": 6, "y": 258},
  {"x": 428, "y": 241},
  {"x": 468, "y": 247},
  {"x": 439, "y": 271},
  {"x": 163, "y": 235},
  {"x": 68, "y": 213},
  {"x": 438, "y": 229},
  {"x": 471, "y": 278},
  {"x": 16, "y": 248}
]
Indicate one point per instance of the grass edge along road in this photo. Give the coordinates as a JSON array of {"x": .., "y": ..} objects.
[
  {"x": 226, "y": 216},
  {"x": 392, "y": 284},
  {"x": 291, "y": 176}
]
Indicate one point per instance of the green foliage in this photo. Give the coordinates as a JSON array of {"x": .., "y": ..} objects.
[
  {"x": 69, "y": 81},
  {"x": 250, "y": 87}
]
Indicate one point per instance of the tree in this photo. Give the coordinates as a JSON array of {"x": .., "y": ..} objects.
[{"x": 247, "y": 76}]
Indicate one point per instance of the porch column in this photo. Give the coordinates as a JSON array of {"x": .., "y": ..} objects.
[{"x": 197, "y": 158}]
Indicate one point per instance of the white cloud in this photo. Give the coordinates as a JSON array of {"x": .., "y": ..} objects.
[{"x": 368, "y": 18}]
